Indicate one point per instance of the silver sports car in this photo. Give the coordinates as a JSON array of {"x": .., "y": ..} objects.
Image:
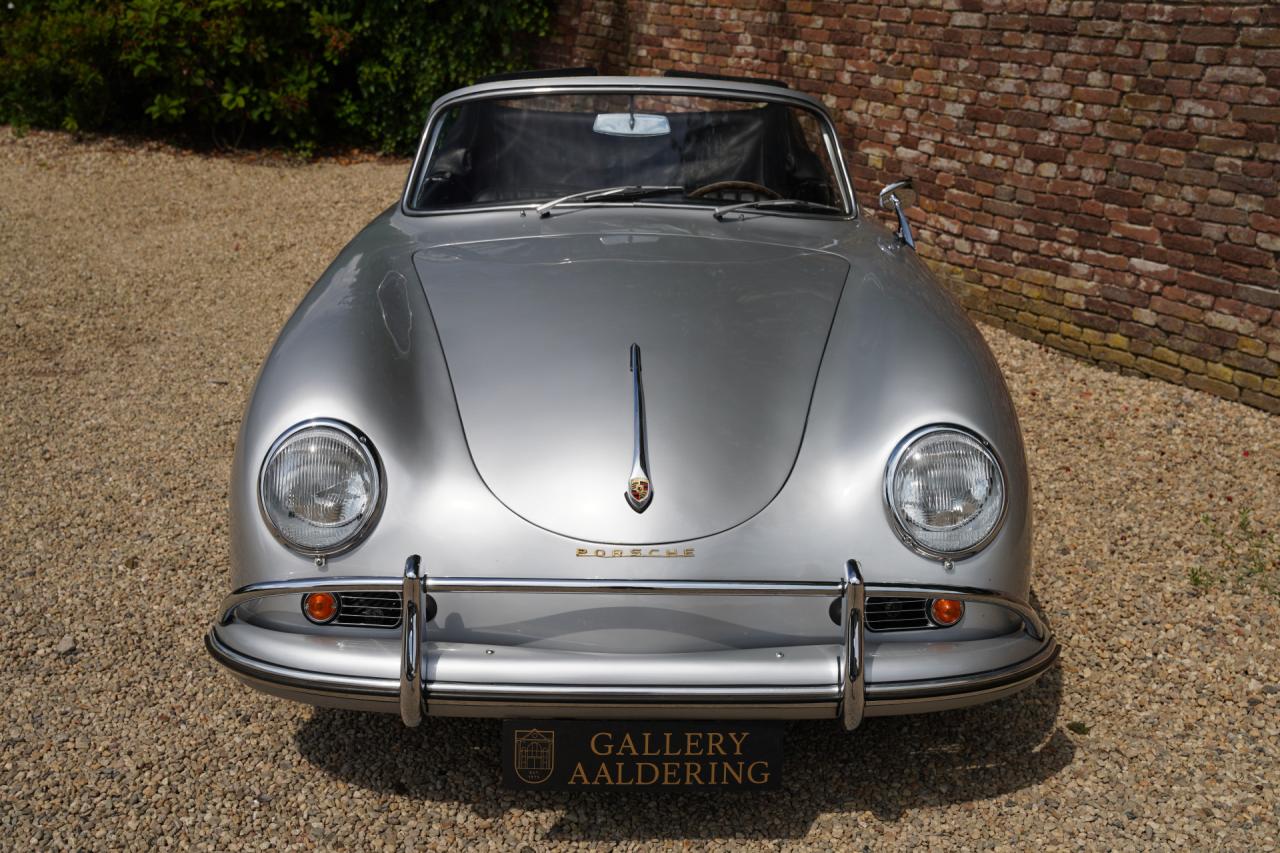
[{"x": 626, "y": 411}]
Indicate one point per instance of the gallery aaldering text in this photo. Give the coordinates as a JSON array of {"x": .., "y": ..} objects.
[{"x": 574, "y": 754}]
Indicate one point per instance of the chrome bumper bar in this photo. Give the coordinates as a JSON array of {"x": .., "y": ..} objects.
[{"x": 849, "y": 694}]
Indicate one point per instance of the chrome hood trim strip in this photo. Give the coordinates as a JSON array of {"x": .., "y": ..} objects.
[{"x": 639, "y": 485}]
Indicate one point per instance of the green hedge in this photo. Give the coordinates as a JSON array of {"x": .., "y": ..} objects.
[{"x": 253, "y": 72}]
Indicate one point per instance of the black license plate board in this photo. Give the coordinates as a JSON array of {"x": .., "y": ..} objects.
[{"x": 596, "y": 754}]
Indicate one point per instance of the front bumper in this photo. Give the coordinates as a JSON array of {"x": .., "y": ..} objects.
[{"x": 848, "y": 697}]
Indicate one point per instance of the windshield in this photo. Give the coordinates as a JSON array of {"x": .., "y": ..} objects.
[{"x": 670, "y": 148}]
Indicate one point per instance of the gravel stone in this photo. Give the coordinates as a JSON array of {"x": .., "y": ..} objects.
[
  {"x": 66, "y": 645},
  {"x": 140, "y": 289}
]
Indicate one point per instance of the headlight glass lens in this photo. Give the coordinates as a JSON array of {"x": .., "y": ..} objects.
[
  {"x": 947, "y": 491},
  {"x": 319, "y": 488}
]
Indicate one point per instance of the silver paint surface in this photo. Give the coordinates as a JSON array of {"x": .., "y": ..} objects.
[{"x": 536, "y": 335}]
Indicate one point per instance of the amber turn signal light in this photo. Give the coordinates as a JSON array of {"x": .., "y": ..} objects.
[
  {"x": 945, "y": 611},
  {"x": 320, "y": 607}
]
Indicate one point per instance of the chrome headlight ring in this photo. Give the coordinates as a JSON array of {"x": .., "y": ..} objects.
[
  {"x": 998, "y": 486},
  {"x": 357, "y": 444}
]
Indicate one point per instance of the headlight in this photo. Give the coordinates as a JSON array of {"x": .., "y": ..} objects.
[
  {"x": 946, "y": 491},
  {"x": 320, "y": 486}
]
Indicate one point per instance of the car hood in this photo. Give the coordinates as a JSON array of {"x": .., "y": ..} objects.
[{"x": 537, "y": 331}]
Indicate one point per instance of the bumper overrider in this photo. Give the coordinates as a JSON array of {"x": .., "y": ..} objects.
[{"x": 848, "y": 698}]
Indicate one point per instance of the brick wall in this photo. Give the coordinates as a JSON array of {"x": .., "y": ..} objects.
[{"x": 1098, "y": 176}]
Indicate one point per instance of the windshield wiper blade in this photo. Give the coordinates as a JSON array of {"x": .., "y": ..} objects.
[
  {"x": 780, "y": 203},
  {"x": 631, "y": 191}
]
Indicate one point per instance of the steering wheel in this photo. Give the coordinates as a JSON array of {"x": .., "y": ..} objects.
[{"x": 737, "y": 188}]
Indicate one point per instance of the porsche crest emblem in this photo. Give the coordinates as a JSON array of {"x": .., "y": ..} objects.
[
  {"x": 639, "y": 490},
  {"x": 535, "y": 755}
]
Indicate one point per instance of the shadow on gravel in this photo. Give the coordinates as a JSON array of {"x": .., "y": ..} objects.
[{"x": 890, "y": 765}]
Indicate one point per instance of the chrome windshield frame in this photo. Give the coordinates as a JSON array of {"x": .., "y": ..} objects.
[{"x": 625, "y": 86}]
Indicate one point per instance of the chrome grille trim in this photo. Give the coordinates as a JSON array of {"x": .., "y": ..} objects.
[
  {"x": 893, "y": 613},
  {"x": 368, "y": 609}
]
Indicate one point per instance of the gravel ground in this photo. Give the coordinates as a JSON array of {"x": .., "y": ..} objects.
[{"x": 139, "y": 290}]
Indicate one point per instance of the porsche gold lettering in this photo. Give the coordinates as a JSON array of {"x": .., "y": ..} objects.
[{"x": 613, "y": 553}]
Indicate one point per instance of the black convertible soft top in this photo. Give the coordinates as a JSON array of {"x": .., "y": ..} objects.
[{"x": 499, "y": 151}]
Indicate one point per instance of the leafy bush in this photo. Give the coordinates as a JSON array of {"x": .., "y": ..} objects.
[{"x": 234, "y": 72}]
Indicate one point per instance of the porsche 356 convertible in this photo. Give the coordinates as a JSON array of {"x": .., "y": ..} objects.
[{"x": 627, "y": 410}]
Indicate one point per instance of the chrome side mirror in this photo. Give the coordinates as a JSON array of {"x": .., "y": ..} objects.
[{"x": 895, "y": 197}]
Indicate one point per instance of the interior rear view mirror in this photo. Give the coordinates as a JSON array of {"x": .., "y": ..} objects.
[{"x": 631, "y": 124}]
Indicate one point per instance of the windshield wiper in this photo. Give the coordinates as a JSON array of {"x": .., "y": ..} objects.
[
  {"x": 778, "y": 203},
  {"x": 633, "y": 191}
]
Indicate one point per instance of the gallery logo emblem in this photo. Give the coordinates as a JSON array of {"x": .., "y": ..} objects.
[{"x": 535, "y": 755}]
